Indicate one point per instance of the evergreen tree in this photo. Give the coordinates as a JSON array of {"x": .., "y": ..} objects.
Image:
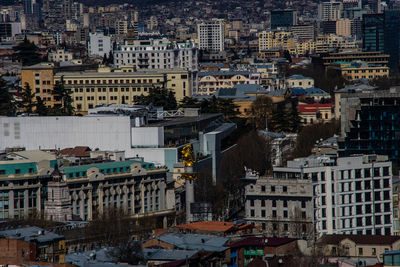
[
  {"x": 7, "y": 106},
  {"x": 41, "y": 108},
  {"x": 189, "y": 102},
  {"x": 158, "y": 97},
  {"x": 27, "y": 53},
  {"x": 27, "y": 102},
  {"x": 62, "y": 95}
]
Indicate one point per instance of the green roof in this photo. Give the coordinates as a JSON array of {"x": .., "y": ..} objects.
[{"x": 107, "y": 168}]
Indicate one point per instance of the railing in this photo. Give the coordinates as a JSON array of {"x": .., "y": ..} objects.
[{"x": 166, "y": 114}]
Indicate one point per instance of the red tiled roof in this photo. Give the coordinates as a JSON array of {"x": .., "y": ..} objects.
[
  {"x": 261, "y": 242},
  {"x": 312, "y": 108},
  {"x": 78, "y": 151},
  {"x": 215, "y": 226},
  {"x": 359, "y": 239}
]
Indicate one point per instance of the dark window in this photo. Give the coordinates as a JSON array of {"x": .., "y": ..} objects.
[
  {"x": 285, "y": 189},
  {"x": 17, "y": 171},
  {"x": 263, "y": 188},
  {"x": 262, "y": 213},
  {"x": 368, "y": 208},
  {"x": 367, "y": 185},
  {"x": 359, "y": 222},
  {"x": 252, "y": 213},
  {"x": 358, "y": 209},
  {"x": 274, "y": 213},
  {"x": 263, "y": 203},
  {"x": 386, "y": 195},
  {"x": 385, "y": 171},
  {"x": 376, "y": 172},
  {"x": 377, "y": 207},
  {"x": 387, "y": 219},
  {"x": 358, "y": 197},
  {"x": 358, "y": 185},
  {"x": 252, "y": 202},
  {"x": 285, "y": 214},
  {"x": 272, "y": 188},
  {"x": 377, "y": 195},
  {"x": 322, "y": 176},
  {"x": 358, "y": 173},
  {"x": 285, "y": 203},
  {"x": 274, "y": 203},
  {"x": 368, "y": 221},
  {"x": 367, "y": 172},
  {"x": 367, "y": 196},
  {"x": 285, "y": 227},
  {"x": 377, "y": 184},
  {"x": 303, "y": 204}
]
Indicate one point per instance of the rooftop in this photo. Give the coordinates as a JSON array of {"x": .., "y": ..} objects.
[
  {"x": 195, "y": 242},
  {"x": 261, "y": 241},
  {"x": 31, "y": 234},
  {"x": 359, "y": 239}
]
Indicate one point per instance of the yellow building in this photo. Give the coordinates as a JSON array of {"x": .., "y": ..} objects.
[
  {"x": 210, "y": 82},
  {"x": 40, "y": 78},
  {"x": 90, "y": 89},
  {"x": 276, "y": 39},
  {"x": 325, "y": 43},
  {"x": 358, "y": 246},
  {"x": 357, "y": 70},
  {"x": 105, "y": 86}
]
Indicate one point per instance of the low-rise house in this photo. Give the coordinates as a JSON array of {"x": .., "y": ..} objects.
[
  {"x": 315, "y": 113},
  {"x": 49, "y": 246},
  {"x": 215, "y": 227},
  {"x": 361, "y": 246},
  {"x": 242, "y": 252}
]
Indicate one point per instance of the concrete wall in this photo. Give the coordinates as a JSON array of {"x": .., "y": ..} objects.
[{"x": 105, "y": 133}]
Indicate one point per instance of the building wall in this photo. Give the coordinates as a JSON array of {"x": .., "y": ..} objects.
[
  {"x": 15, "y": 251},
  {"x": 346, "y": 196},
  {"x": 41, "y": 81},
  {"x": 99, "y": 45},
  {"x": 211, "y": 35},
  {"x": 280, "y": 207}
]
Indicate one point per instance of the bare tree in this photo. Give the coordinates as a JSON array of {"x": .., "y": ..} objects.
[{"x": 127, "y": 252}]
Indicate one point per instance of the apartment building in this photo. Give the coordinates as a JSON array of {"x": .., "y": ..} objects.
[
  {"x": 90, "y": 89},
  {"x": 300, "y": 81},
  {"x": 351, "y": 195},
  {"x": 99, "y": 44},
  {"x": 275, "y": 39},
  {"x": 157, "y": 54},
  {"x": 211, "y": 35},
  {"x": 280, "y": 207},
  {"x": 330, "y": 10},
  {"x": 326, "y": 59}
]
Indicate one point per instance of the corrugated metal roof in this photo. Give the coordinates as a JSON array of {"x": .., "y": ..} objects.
[
  {"x": 31, "y": 233},
  {"x": 195, "y": 242}
]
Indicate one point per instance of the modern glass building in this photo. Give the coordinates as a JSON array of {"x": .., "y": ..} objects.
[
  {"x": 371, "y": 124},
  {"x": 283, "y": 18},
  {"x": 373, "y": 32},
  {"x": 381, "y": 32}
]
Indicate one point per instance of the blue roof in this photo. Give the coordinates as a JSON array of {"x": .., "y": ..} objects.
[
  {"x": 168, "y": 254},
  {"x": 31, "y": 233},
  {"x": 195, "y": 242},
  {"x": 298, "y": 77},
  {"x": 308, "y": 91}
]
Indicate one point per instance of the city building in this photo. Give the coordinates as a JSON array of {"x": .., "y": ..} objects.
[
  {"x": 351, "y": 195},
  {"x": 304, "y": 31},
  {"x": 60, "y": 55},
  {"x": 242, "y": 252},
  {"x": 210, "y": 82},
  {"x": 283, "y": 18},
  {"x": 31, "y": 183},
  {"x": 326, "y": 59},
  {"x": 157, "y": 54},
  {"x": 300, "y": 81},
  {"x": 330, "y": 10},
  {"x": 369, "y": 123},
  {"x": 396, "y": 206},
  {"x": 116, "y": 127},
  {"x": 210, "y": 35},
  {"x": 90, "y": 89},
  {"x": 99, "y": 44},
  {"x": 356, "y": 70},
  {"x": 315, "y": 113},
  {"x": 357, "y": 246},
  {"x": 45, "y": 245},
  {"x": 280, "y": 206},
  {"x": 9, "y": 29},
  {"x": 381, "y": 33},
  {"x": 40, "y": 78}
]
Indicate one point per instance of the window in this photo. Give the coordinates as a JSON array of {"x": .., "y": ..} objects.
[
  {"x": 274, "y": 203},
  {"x": 285, "y": 214},
  {"x": 17, "y": 171},
  {"x": 263, "y": 188},
  {"x": 252, "y": 213},
  {"x": 272, "y": 188},
  {"x": 303, "y": 204},
  {"x": 285, "y": 203},
  {"x": 360, "y": 251},
  {"x": 263, "y": 213},
  {"x": 275, "y": 226},
  {"x": 374, "y": 251},
  {"x": 274, "y": 213},
  {"x": 263, "y": 203},
  {"x": 284, "y": 189},
  {"x": 285, "y": 227},
  {"x": 252, "y": 202},
  {"x": 367, "y": 173}
]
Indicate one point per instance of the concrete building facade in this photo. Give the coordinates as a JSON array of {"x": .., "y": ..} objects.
[
  {"x": 211, "y": 35},
  {"x": 351, "y": 195}
]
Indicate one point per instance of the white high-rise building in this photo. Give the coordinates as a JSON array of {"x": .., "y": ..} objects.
[
  {"x": 99, "y": 44},
  {"x": 351, "y": 195},
  {"x": 157, "y": 54},
  {"x": 211, "y": 35},
  {"x": 329, "y": 11}
]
